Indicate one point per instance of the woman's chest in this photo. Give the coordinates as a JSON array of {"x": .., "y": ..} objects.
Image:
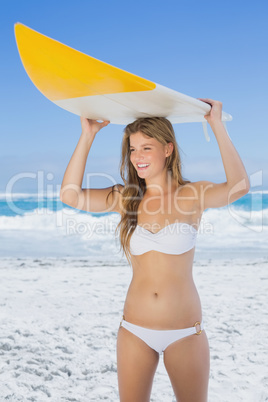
[{"x": 157, "y": 212}]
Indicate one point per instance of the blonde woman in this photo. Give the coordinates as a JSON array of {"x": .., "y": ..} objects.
[{"x": 160, "y": 215}]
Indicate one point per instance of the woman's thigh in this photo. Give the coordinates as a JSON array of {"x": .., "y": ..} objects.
[
  {"x": 136, "y": 366},
  {"x": 187, "y": 363}
]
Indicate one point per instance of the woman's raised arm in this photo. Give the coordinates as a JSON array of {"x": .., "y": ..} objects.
[
  {"x": 72, "y": 193},
  {"x": 215, "y": 195}
]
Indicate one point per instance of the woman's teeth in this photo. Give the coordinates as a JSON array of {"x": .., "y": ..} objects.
[{"x": 143, "y": 165}]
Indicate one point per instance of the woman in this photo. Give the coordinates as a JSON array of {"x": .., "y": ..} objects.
[{"x": 160, "y": 215}]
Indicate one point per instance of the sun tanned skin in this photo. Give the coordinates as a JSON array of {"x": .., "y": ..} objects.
[{"x": 162, "y": 293}]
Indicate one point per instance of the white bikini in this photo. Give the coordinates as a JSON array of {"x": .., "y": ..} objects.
[{"x": 176, "y": 238}]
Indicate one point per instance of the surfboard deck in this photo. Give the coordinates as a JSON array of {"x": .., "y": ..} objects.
[{"x": 94, "y": 89}]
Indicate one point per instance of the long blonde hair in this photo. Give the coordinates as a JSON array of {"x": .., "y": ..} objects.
[{"x": 135, "y": 187}]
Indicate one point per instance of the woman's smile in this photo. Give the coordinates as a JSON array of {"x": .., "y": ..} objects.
[{"x": 142, "y": 166}]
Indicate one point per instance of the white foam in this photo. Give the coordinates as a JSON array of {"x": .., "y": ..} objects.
[
  {"x": 70, "y": 232},
  {"x": 66, "y": 232}
]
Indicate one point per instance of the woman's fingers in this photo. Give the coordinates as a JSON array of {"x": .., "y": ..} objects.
[
  {"x": 211, "y": 101},
  {"x": 92, "y": 126},
  {"x": 216, "y": 109},
  {"x": 99, "y": 125},
  {"x": 105, "y": 123},
  {"x": 206, "y": 100}
]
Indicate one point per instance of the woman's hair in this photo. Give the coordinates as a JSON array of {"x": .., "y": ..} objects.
[{"x": 135, "y": 187}]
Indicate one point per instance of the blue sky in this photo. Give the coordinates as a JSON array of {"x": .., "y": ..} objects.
[{"x": 204, "y": 49}]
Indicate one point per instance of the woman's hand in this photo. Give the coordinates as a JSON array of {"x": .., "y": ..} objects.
[
  {"x": 91, "y": 127},
  {"x": 215, "y": 114}
]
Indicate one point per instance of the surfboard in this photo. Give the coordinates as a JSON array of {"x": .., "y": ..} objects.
[{"x": 91, "y": 88}]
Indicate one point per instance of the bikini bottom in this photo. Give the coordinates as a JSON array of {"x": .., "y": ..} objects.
[{"x": 159, "y": 340}]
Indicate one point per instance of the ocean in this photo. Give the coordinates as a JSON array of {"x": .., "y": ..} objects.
[{"x": 34, "y": 225}]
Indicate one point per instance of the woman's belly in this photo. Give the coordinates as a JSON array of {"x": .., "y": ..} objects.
[{"x": 163, "y": 295}]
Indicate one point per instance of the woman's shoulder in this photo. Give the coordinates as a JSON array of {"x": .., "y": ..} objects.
[
  {"x": 190, "y": 192},
  {"x": 118, "y": 187},
  {"x": 116, "y": 197}
]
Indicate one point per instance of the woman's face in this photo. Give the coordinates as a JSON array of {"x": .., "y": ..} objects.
[{"x": 148, "y": 155}]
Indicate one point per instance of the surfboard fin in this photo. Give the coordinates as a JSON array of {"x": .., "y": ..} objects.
[{"x": 205, "y": 128}]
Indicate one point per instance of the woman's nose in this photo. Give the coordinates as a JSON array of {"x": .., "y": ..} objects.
[{"x": 138, "y": 155}]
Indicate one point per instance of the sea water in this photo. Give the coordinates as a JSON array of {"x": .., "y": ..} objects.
[{"x": 40, "y": 225}]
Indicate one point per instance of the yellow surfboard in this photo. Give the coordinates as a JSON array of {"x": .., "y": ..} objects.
[{"x": 91, "y": 88}]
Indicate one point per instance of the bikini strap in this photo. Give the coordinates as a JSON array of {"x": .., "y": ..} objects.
[{"x": 123, "y": 318}]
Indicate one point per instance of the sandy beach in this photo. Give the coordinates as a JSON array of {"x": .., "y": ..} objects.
[{"x": 59, "y": 322}]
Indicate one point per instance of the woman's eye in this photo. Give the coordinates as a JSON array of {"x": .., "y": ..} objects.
[{"x": 131, "y": 150}]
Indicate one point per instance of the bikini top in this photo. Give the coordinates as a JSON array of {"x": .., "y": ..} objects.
[{"x": 176, "y": 238}]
